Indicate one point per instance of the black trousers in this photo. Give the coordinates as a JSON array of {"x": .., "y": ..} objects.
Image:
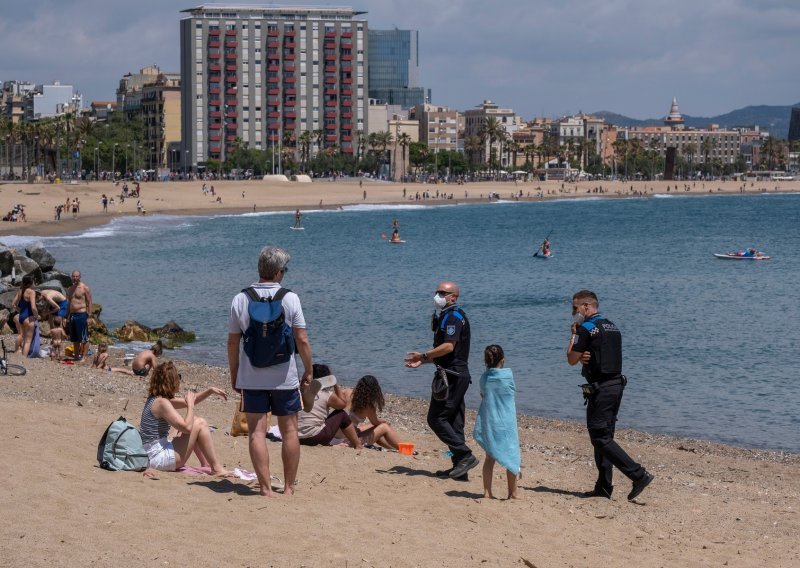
[
  {"x": 601, "y": 420},
  {"x": 446, "y": 417}
]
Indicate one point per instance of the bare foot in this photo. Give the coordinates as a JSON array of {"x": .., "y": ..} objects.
[
  {"x": 267, "y": 493},
  {"x": 222, "y": 473},
  {"x": 488, "y": 495},
  {"x": 288, "y": 491},
  {"x": 514, "y": 496}
]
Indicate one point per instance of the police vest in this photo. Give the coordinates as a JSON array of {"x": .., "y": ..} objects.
[
  {"x": 605, "y": 344},
  {"x": 457, "y": 360}
]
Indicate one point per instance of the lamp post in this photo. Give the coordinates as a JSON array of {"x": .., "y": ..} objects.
[
  {"x": 96, "y": 153},
  {"x": 113, "y": 162},
  {"x": 8, "y": 160},
  {"x": 152, "y": 149},
  {"x": 185, "y": 162},
  {"x": 36, "y": 153},
  {"x": 126, "y": 159}
]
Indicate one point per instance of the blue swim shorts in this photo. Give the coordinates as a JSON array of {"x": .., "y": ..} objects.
[
  {"x": 79, "y": 327},
  {"x": 62, "y": 309},
  {"x": 279, "y": 402}
]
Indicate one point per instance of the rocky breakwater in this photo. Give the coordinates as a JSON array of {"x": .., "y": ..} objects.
[{"x": 171, "y": 334}]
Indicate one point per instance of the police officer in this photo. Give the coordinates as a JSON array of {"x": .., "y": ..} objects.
[
  {"x": 450, "y": 351},
  {"x": 596, "y": 343}
]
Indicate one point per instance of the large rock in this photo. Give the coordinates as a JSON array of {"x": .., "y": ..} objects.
[
  {"x": 63, "y": 277},
  {"x": 41, "y": 255},
  {"x": 7, "y": 300},
  {"x": 24, "y": 266},
  {"x": 134, "y": 331},
  {"x": 172, "y": 334},
  {"x": 6, "y": 260}
]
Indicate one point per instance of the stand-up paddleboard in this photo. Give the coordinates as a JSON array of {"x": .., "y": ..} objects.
[
  {"x": 733, "y": 256},
  {"x": 297, "y": 228},
  {"x": 396, "y": 242},
  {"x": 544, "y": 257}
]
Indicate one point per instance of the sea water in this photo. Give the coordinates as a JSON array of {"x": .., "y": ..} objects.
[{"x": 709, "y": 344}]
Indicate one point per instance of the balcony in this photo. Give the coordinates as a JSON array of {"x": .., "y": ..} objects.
[
  {"x": 231, "y": 44},
  {"x": 330, "y": 34},
  {"x": 290, "y": 91},
  {"x": 347, "y": 149},
  {"x": 231, "y": 137},
  {"x": 347, "y": 138},
  {"x": 330, "y": 103},
  {"x": 215, "y": 137},
  {"x": 213, "y": 43},
  {"x": 273, "y": 68},
  {"x": 274, "y": 126},
  {"x": 231, "y": 55},
  {"x": 331, "y": 91},
  {"x": 289, "y": 57},
  {"x": 214, "y": 149},
  {"x": 347, "y": 80},
  {"x": 330, "y": 69},
  {"x": 213, "y": 91},
  {"x": 347, "y": 92},
  {"x": 330, "y": 45},
  {"x": 273, "y": 80},
  {"x": 347, "y": 45},
  {"x": 347, "y": 57},
  {"x": 289, "y": 67},
  {"x": 330, "y": 81},
  {"x": 230, "y": 126},
  {"x": 331, "y": 138},
  {"x": 330, "y": 114},
  {"x": 274, "y": 114},
  {"x": 288, "y": 44},
  {"x": 347, "y": 34},
  {"x": 273, "y": 138},
  {"x": 231, "y": 79},
  {"x": 214, "y": 102},
  {"x": 330, "y": 58},
  {"x": 214, "y": 56},
  {"x": 231, "y": 67},
  {"x": 231, "y": 102},
  {"x": 273, "y": 102},
  {"x": 272, "y": 33},
  {"x": 330, "y": 126},
  {"x": 289, "y": 126},
  {"x": 215, "y": 67},
  {"x": 347, "y": 103},
  {"x": 273, "y": 91},
  {"x": 290, "y": 114},
  {"x": 230, "y": 32},
  {"x": 347, "y": 126},
  {"x": 231, "y": 114},
  {"x": 213, "y": 32},
  {"x": 230, "y": 91},
  {"x": 289, "y": 103},
  {"x": 347, "y": 114},
  {"x": 215, "y": 78},
  {"x": 289, "y": 80},
  {"x": 347, "y": 68},
  {"x": 289, "y": 33}
]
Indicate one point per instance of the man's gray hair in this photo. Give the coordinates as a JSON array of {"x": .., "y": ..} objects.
[{"x": 271, "y": 261}]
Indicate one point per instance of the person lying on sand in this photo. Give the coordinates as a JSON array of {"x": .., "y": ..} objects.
[
  {"x": 161, "y": 411},
  {"x": 101, "y": 361}
]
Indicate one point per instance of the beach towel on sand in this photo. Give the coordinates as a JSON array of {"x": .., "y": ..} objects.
[
  {"x": 36, "y": 344},
  {"x": 496, "y": 424}
]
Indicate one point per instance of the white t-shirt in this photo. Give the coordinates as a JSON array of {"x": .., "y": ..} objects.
[{"x": 276, "y": 377}]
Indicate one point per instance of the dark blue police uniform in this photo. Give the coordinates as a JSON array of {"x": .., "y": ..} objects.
[
  {"x": 603, "y": 340},
  {"x": 446, "y": 417}
]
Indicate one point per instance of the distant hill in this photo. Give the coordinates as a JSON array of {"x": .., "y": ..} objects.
[{"x": 773, "y": 119}]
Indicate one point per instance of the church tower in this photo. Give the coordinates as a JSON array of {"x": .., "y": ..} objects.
[{"x": 674, "y": 118}]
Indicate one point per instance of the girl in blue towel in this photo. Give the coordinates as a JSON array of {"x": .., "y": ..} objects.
[{"x": 496, "y": 424}]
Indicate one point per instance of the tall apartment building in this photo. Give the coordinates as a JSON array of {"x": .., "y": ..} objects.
[
  {"x": 393, "y": 71},
  {"x": 12, "y": 99},
  {"x": 794, "y": 124},
  {"x": 263, "y": 75},
  {"x": 155, "y": 97}
]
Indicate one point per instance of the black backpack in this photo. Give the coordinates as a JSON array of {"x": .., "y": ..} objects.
[{"x": 268, "y": 339}]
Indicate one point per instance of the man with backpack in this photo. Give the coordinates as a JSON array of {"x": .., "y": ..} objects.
[{"x": 266, "y": 328}]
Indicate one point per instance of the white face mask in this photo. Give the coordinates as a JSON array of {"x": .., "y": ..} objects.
[
  {"x": 439, "y": 301},
  {"x": 578, "y": 318}
]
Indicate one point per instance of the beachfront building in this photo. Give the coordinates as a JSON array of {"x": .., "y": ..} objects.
[
  {"x": 531, "y": 140},
  {"x": 495, "y": 127},
  {"x": 154, "y": 97},
  {"x": 48, "y": 101},
  {"x": 794, "y": 125},
  {"x": 438, "y": 127},
  {"x": 262, "y": 75},
  {"x": 101, "y": 111},
  {"x": 12, "y": 100},
  {"x": 393, "y": 71}
]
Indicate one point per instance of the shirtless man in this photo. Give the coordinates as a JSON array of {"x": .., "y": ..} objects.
[
  {"x": 79, "y": 296},
  {"x": 147, "y": 359},
  {"x": 56, "y": 303}
]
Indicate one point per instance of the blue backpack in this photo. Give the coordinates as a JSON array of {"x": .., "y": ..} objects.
[
  {"x": 268, "y": 339},
  {"x": 121, "y": 448}
]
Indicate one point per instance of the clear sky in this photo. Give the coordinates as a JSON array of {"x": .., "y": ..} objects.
[{"x": 539, "y": 57}]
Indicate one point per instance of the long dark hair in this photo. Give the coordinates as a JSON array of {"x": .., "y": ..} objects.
[
  {"x": 366, "y": 393},
  {"x": 493, "y": 355}
]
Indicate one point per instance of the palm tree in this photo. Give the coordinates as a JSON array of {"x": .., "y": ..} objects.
[
  {"x": 472, "y": 146},
  {"x": 690, "y": 150},
  {"x": 305, "y": 148},
  {"x": 490, "y": 131},
  {"x": 383, "y": 139},
  {"x": 707, "y": 145},
  {"x": 655, "y": 145},
  {"x": 405, "y": 141}
]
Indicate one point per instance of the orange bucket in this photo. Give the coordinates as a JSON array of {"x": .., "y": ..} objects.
[{"x": 405, "y": 448}]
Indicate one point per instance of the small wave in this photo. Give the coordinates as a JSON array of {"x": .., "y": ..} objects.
[{"x": 390, "y": 207}]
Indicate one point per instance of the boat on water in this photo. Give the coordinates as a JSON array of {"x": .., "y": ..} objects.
[{"x": 749, "y": 254}]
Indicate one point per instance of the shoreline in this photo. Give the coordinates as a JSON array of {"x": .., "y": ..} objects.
[
  {"x": 173, "y": 198},
  {"x": 710, "y": 504}
]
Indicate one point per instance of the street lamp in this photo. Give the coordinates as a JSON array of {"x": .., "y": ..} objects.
[
  {"x": 36, "y": 154},
  {"x": 113, "y": 162}
]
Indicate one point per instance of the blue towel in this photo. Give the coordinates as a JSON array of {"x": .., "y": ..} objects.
[
  {"x": 36, "y": 344},
  {"x": 496, "y": 425}
]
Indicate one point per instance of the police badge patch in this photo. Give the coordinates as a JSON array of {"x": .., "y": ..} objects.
[{"x": 451, "y": 329}]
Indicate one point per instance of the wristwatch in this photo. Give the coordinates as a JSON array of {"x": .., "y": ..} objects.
[{"x": 424, "y": 356}]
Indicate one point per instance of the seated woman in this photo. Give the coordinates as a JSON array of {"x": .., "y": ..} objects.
[
  {"x": 161, "y": 411},
  {"x": 366, "y": 401},
  {"x": 317, "y": 427}
]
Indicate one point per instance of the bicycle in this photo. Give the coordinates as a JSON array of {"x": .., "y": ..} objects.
[{"x": 7, "y": 368}]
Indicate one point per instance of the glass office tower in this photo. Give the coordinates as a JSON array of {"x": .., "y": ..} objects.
[{"x": 393, "y": 69}]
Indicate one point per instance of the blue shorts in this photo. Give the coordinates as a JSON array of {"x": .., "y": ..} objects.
[
  {"x": 62, "y": 309},
  {"x": 279, "y": 402},
  {"x": 79, "y": 327}
]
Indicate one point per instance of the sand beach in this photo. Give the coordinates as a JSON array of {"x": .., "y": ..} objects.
[
  {"x": 710, "y": 504},
  {"x": 187, "y": 198}
]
